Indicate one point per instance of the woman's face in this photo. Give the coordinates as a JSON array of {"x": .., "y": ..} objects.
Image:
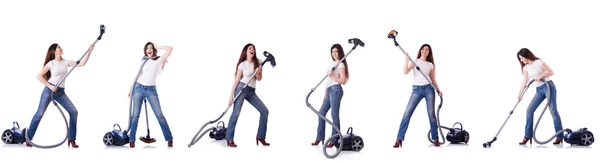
[
  {"x": 524, "y": 60},
  {"x": 425, "y": 51},
  {"x": 250, "y": 52},
  {"x": 59, "y": 51},
  {"x": 149, "y": 50},
  {"x": 334, "y": 54}
]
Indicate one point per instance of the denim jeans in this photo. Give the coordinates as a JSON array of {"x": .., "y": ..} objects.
[
  {"x": 249, "y": 94},
  {"x": 148, "y": 92},
  {"x": 61, "y": 97},
  {"x": 332, "y": 100},
  {"x": 418, "y": 93},
  {"x": 540, "y": 95}
]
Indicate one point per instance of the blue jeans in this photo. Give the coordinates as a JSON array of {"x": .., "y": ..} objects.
[
  {"x": 148, "y": 92},
  {"x": 249, "y": 94},
  {"x": 61, "y": 97},
  {"x": 332, "y": 100},
  {"x": 540, "y": 95},
  {"x": 418, "y": 93}
]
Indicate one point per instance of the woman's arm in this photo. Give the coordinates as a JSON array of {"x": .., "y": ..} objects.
[
  {"x": 547, "y": 72},
  {"x": 165, "y": 56},
  {"x": 258, "y": 76},
  {"x": 85, "y": 60},
  {"x": 434, "y": 81},
  {"x": 236, "y": 81},
  {"x": 407, "y": 66},
  {"x": 41, "y": 78},
  {"x": 342, "y": 79},
  {"x": 523, "y": 84}
]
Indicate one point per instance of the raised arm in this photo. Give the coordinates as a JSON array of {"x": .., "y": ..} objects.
[
  {"x": 407, "y": 66},
  {"x": 168, "y": 50},
  {"x": 85, "y": 60}
]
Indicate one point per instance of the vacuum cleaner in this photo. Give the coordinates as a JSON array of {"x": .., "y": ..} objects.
[
  {"x": 118, "y": 137},
  {"x": 350, "y": 141},
  {"x": 219, "y": 132},
  {"x": 16, "y": 135},
  {"x": 582, "y": 137},
  {"x": 455, "y": 135}
]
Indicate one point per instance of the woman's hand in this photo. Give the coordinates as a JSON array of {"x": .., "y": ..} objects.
[
  {"x": 539, "y": 78},
  {"x": 257, "y": 70},
  {"x": 53, "y": 88},
  {"x": 230, "y": 101},
  {"x": 440, "y": 92}
]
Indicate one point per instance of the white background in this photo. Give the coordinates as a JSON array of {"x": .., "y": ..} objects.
[{"x": 474, "y": 44}]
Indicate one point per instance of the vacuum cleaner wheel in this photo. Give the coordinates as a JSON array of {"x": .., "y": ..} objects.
[
  {"x": 466, "y": 137},
  {"x": 108, "y": 139},
  {"x": 587, "y": 138},
  {"x": 357, "y": 143},
  {"x": 8, "y": 137}
]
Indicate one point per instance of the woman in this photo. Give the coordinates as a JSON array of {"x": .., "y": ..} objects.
[
  {"x": 246, "y": 66},
  {"x": 333, "y": 93},
  {"x": 54, "y": 70},
  {"x": 421, "y": 89},
  {"x": 534, "y": 68},
  {"x": 145, "y": 88}
]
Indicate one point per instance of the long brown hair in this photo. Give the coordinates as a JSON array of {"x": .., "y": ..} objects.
[
  {"x": 525, "y": 53},
  {"x": 243, "y": 57},
  {"x": 430, "y": 56},
  {"x": 341, "y": 55},
  {"x": 50, "y": 56}
]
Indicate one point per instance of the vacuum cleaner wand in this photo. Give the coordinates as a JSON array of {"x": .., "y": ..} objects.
[
  {"x": 147, "y": 138},
  {"x": 489, "y": 143},
  {"x": 356, "y": 42},
  {"x": 392, "y": 35},
  {"x": 200, "y": 133},
  {"x": 27, "y": 139}
]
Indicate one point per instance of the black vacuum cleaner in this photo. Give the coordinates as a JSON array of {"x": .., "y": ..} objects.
[
  {"x": 17, "y": 136},
  {"x": 350, "y": 141},
  {"x": 455, "y": 135},
  {"x": 219, "y": 132},
  {"x": 581, "y": 137},
  {"x": 119, "y": 137}
]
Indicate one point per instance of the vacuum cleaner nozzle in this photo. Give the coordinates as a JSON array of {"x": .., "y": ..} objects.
[{"x": 147, "y": 139}]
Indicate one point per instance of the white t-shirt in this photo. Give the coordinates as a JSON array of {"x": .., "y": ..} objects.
[
  {"x": 247, "y": 71},
  {"x": 426, "y": 67},
  {"x": 330, "y": 81},
  {"x": 534, "y": 69},
  {"x": 58, "y": 70},
  {"x": 150, "y": 72}
]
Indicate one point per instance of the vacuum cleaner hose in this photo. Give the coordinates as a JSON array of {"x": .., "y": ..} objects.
[
  {"x": 27, "y": 138},
  {"x": 137, "y": 76},
  {"x": 356, "y": 42},
  {"x": 548, "y": 97},
  {"x": 201, "y": 132}
]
